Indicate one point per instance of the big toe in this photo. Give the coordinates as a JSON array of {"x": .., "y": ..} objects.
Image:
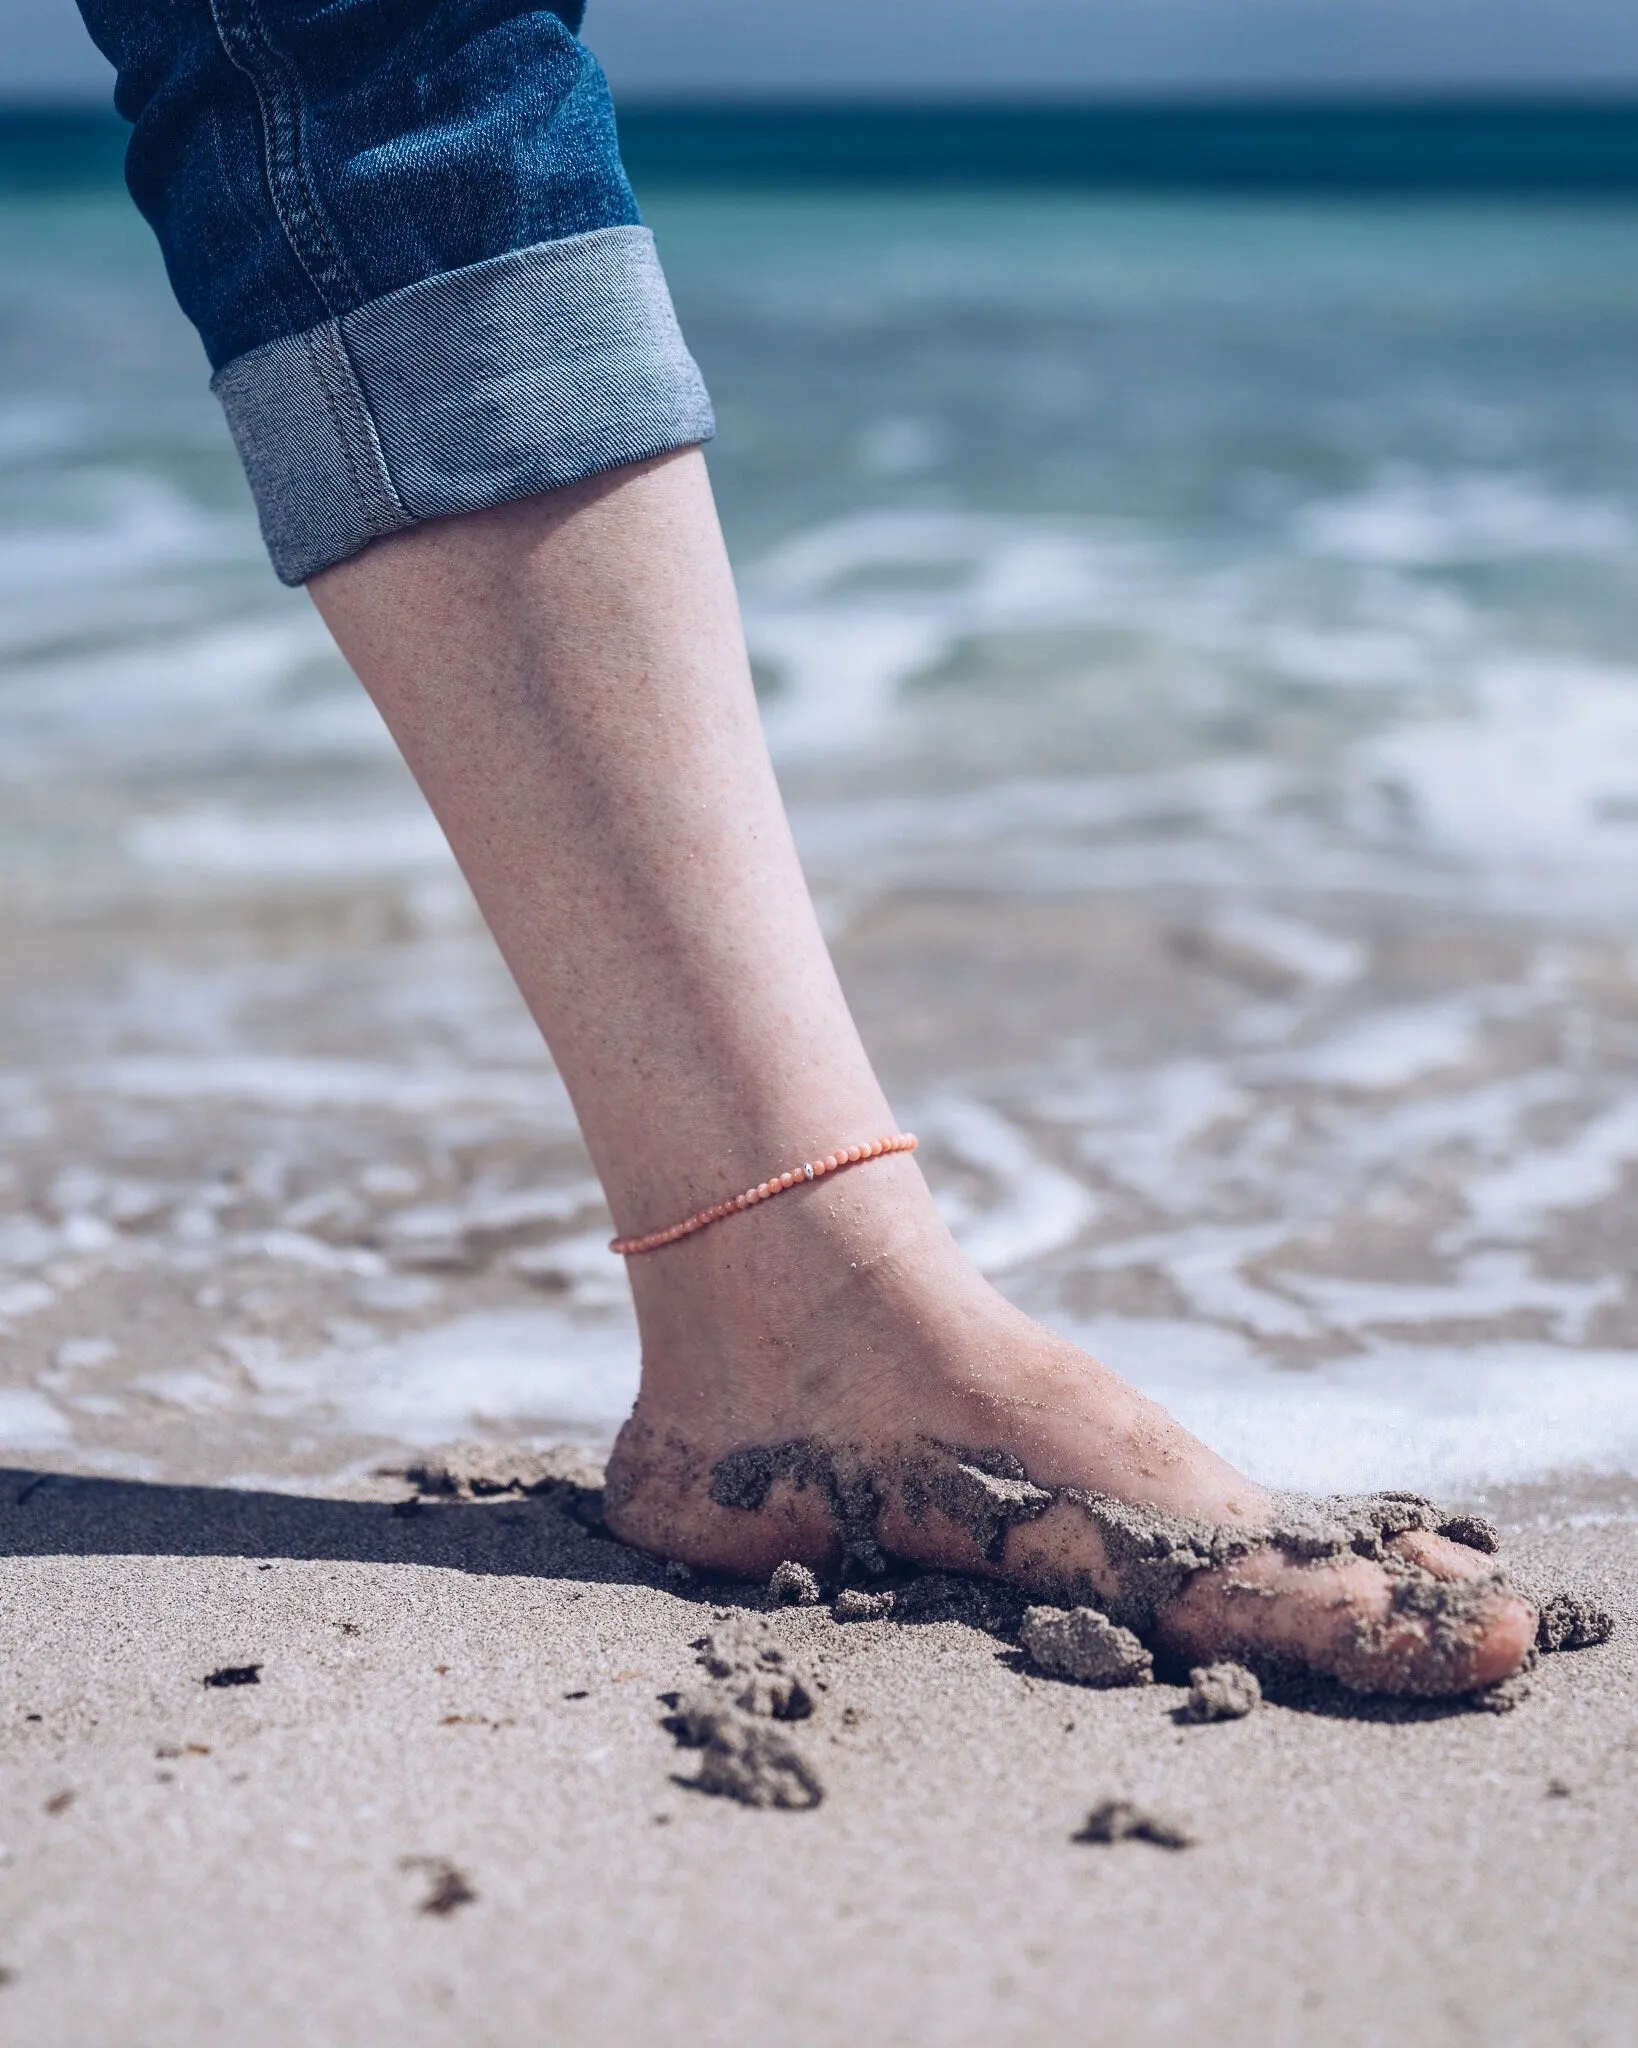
[
  {"x": 1439, "y": 1628},
  {"x": 1507, "y": 1637}
]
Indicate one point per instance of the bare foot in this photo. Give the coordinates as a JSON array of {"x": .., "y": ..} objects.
[{"x": 827, "y": 1379}]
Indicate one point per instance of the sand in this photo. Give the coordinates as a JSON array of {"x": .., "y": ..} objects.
[{"x": 288, "y": 1769}]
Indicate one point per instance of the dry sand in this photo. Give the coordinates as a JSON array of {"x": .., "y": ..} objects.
[{"x": 448, "y": 1808}]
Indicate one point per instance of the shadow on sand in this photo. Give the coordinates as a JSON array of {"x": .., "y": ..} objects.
[{"x": 552, "y": 1532}]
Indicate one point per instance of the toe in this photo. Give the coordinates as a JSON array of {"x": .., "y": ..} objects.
[
  {"x": 1504, "y": 1640},
  {"x": 1435, "y": 1632},
  {"x": 1440, "y": 1557}
]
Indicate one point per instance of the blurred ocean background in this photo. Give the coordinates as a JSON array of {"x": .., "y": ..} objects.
[{"x": 1197, "y": 623}]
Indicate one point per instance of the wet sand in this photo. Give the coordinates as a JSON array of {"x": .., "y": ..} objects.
[{"x": 447, "y": 1806}]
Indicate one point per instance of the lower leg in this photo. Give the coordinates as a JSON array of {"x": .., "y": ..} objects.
[{"x": 568, "y": 682}]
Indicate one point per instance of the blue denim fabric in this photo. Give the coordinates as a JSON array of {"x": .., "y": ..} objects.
[{"x": 405, "y": 236}]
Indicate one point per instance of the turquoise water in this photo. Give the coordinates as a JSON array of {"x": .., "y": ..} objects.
[
  {"x": 1253, "y": 578},
  {"x": 1375, "y": 142}
]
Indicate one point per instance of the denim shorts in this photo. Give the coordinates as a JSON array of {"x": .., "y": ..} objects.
[{"x": 404, "y": 234}]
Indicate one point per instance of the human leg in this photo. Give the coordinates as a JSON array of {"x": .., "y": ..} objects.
[
  {"x": 823, "y": 1377},
  {"x": 417, "y": 268}
]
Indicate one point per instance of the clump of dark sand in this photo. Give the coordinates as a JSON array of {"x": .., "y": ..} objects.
[
  {"x": 1122, "y": 1820},
  {"x": 854, "y": 1604},
  {"x": 745, "y": 1759},
  {"x": 755, "y": 1672},
  {"x": 751, "y": 1685},
  {"x": 448, "y": 1887},
  {"x": 471, "y": 1471},
  {"x": 985, "y": 1492},
  {"x": 233, "y": 1674},
  {"x": 793, "y": 1585},
  {"x": 984, "y": 1604},
  {"x": 1568, "y": 1622},
  {"x": 1081, "y": 1644},
  {"x": 1222, "y": 1692}
]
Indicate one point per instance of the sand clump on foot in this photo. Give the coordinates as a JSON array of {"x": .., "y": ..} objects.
[
  {"x": 1154, "y": 1554},
  {"x": 1222, "y": 1692},
  {"x": 1123, "y": 1820},
  {"x": 731, "y": 1720},
  {"x": 1084, "y": 1645},
  {"x": 1426, "y": 1637}
]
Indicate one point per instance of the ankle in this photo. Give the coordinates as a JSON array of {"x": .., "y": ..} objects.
[{"x": 866, "y": 1252}]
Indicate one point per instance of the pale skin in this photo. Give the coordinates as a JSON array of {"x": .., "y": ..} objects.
[{"x": 568, "y": 681}]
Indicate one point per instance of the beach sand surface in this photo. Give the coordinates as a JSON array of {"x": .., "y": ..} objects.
[{"x": 448, "y": 1809}]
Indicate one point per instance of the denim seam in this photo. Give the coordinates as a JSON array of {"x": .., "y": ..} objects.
[
  {"x": 496, "y": 381},
  {"x": 304, "y": 223},
  {"x": 252, "y": 227},
  {"x": 349, "y": 411}
]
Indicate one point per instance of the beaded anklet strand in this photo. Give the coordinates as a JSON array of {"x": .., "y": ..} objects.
[{"x": 811, "y": 1169}]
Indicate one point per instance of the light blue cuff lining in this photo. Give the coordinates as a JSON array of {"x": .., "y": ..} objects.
[{"x": 512, "y": 376}]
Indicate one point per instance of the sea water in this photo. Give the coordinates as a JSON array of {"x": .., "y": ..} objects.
[{"x": 1198, "y": 639}]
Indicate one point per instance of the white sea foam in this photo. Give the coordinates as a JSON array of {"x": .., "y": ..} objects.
[
  {"x": 286, "y": 1082},
  {"x": 1321, "y": 958},
  {"x": 501, "y": 1371},
  {"x": 1137, "y": 1127},
  {"x": 29, "y": 1422},
  {"x": 1036, "y": 1209},
  {"x": 1485, "y": 1121},
  {"x": 851, "y": 611},
  {"x": 1205, "y": 1263},
  {"x": 19, "y": 1298},
  {"x": 1484, "y": 1288},
  {"x": 1436, "y": 1417},
  {"x": 220, "y": 842},
  {"x": 913, "y": 838},
  {"x": 1389, "y": 1048},
  {"x": 1517, "y": 1200},
  {"x": 1538, "y": 784},
  {"x": 1415, "y": 518}
]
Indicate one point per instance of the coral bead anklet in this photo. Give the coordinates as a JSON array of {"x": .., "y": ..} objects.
[{"x": 810, "y": 1169}]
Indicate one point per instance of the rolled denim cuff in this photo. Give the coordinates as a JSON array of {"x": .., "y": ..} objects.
[{"x": 509, "y": 377}]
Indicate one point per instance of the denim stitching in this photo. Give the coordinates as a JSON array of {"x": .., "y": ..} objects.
[
  {"x": 348, "y": 410},
  {"x": 252, "y": 226},
  {"x": 506, "y": 378},
  {"x": 304, "y": 223}
]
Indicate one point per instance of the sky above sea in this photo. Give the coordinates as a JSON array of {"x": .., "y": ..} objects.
[{"x": 862, "y": 48}]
